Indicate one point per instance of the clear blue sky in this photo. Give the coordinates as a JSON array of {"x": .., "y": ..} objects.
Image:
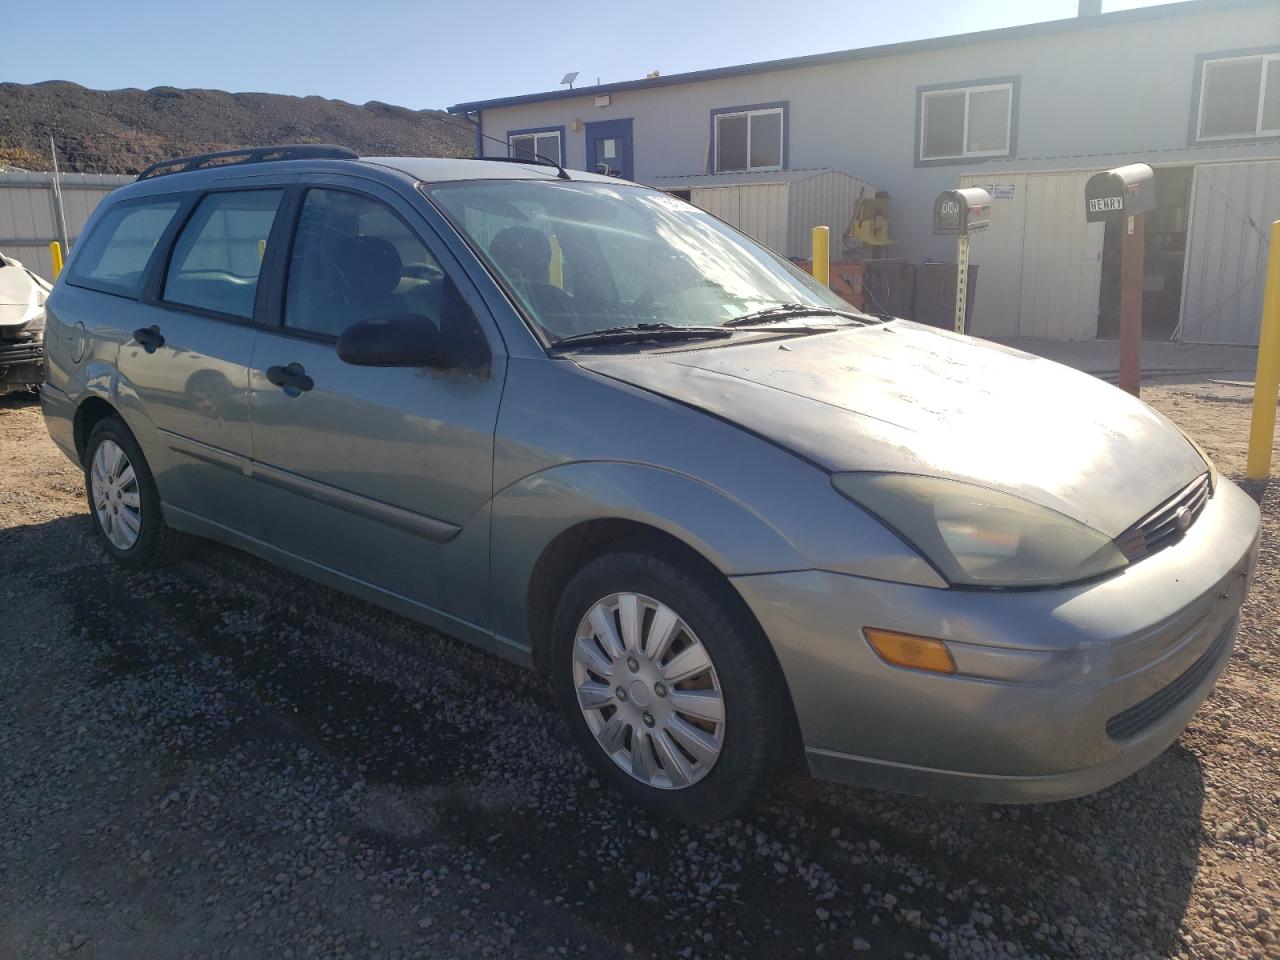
[{"x": 423, "y": 53}]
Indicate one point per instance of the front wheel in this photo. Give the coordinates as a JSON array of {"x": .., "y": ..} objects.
[{"x": 669, "y": 687}]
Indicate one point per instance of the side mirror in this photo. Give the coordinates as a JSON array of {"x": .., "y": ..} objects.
[{"x": 398, "y": 340}]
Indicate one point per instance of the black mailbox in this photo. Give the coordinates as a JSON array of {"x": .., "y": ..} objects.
[
  {"x": 1123, "y": 192},
  {"x": 962, "y": 212}
]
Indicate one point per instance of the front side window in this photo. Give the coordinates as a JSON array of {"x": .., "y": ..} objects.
[
  {"x": 966, "y": 122},
  {"x": 354, "y": 259},
  {"x": 749, "y": 140},
  {"x": 1240, "y": 97},
  {"x": 218, "y": 256},
  {"x": 114, "y": 257},
  {"x": 581, "y": 257},
  {"x": 531, "y": 146}
]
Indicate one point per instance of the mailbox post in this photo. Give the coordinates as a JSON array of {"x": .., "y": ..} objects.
[
  {"x": 960, "y": 213},
  {"x": 1125, "y": 194}
]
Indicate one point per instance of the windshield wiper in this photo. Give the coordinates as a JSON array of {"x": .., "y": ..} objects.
[
  {"x": 640, "y": 332},
  {"x": 785, "y": 311}
]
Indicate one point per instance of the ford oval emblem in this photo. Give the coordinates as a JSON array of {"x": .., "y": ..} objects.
[{"x": 1183, "y": 519}]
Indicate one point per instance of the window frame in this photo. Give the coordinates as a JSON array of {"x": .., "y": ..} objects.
[
  {"x": 968, "y": 88},
  {"x": 186, "y": 200},
  {"x": 1270, "y": 58},
  {"x": 782, "y": 107},
  {"x": 535, "y": 132},
  {"x": 154, "y": 289}
]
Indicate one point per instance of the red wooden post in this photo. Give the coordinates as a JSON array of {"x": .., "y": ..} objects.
[{"x": 1131, "y": 280}]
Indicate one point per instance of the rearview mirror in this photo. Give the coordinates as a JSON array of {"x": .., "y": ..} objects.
[{"x": 397, "y": 340}]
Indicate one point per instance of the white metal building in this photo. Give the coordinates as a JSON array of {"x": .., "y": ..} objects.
[
  {"x": 1192, "y": 88},
  {"x": 28, "y": 219}
]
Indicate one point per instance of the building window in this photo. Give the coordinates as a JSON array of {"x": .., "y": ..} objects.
[
  {"x": 957, "y": 123},
  {"x": 750, "y": 138},
  {"x": 1239, "y": 97},
  {"x": 530, "y": 144}
]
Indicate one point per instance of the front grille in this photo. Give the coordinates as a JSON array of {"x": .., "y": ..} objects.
[
  {"x": 1167, "y": 523},
  {"x": 20, "y": 351},
  {"x": 1142, "y": 716}
]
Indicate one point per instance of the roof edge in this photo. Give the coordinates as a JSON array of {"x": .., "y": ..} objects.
[{"x": 1018, "y": 32}]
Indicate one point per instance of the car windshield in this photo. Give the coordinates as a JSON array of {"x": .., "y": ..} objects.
[{"x": 584, "y": 257}]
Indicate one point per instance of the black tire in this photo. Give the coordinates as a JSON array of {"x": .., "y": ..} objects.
[
  {"x": 157, "y": 545},
  {"x": 759, "y": 725}
]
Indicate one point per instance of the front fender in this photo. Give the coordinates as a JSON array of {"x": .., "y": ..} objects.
[{"x": 532, "y": 512}]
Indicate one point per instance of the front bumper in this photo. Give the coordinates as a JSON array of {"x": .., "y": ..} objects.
[
  {"x": 1059, "y": 692},
  {"x": 21, "y": 364}
]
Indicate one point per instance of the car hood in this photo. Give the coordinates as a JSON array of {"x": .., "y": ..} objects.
[
  {"x": 18, "y": 293},
  {"x": 907, "y": 398}
]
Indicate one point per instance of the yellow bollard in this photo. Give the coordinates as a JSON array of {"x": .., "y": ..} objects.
[
  {"x": 555, "y": 269},
  {"x": 55, "y": 251},
  {"x": 262, "y": 250},
  {"x": 822, "y": 255},
  {"x": 1266, "y": 383}
]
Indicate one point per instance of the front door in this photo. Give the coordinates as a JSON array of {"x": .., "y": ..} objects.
[
  {"x": 609, "y": 146},
  {"x": 380, "y": 474}
]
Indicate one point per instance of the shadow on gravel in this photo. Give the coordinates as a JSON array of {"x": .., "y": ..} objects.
[{"x": 820, "y": 867}]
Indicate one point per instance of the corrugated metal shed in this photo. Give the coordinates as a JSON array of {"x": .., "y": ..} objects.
[
  {"x": 1232, "y": 208},
  {"x": 779, "y": 208},
  {"x": 1039, "y": 263},
  {"x": 27, "y": 213}
]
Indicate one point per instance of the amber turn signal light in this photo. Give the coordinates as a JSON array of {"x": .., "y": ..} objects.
[{"x": 907, "y": 650}]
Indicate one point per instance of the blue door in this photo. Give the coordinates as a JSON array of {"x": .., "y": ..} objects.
[{"x": 609, "y": 148}]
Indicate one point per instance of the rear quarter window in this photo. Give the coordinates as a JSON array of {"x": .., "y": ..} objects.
[{"x": 114, "y": 256}]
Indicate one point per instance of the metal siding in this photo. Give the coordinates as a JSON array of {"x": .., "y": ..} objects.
[
  {"x": 1232, "y": 206},
  {"x": 997, "y": 253},
  {"x": 829, "y": 199},
  {"x": 1039, "y": 263}
]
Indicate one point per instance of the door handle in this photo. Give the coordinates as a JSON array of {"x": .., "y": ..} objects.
[
  {"x": 149, "y": 337},
  {"x": 292, "y": 379}
]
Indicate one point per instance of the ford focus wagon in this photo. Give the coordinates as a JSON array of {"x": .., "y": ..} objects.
[{"x": 591, "y": 428}]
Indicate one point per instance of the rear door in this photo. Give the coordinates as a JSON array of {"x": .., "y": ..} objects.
[
  {"x": 381, "y": 474},
  {"x": 185, "y": 366},
  {"x": 609, "y": 148}
]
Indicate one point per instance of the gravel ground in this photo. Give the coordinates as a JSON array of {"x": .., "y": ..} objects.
[{"x": 223, "y": 760}]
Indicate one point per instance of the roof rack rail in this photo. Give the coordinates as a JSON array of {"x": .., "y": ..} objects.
[{"x": 294, "y": 151}]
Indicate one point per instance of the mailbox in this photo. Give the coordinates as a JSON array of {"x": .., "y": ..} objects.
[
  {"x": 962, "y": 212},
  {"x": 1122, "y": 192}
]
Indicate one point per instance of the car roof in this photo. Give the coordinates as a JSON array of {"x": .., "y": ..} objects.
[
  {"x": 418, "y": 169},
  {"x": 440, "y": 169}
]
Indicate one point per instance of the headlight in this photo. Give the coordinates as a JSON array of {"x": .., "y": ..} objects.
[{"x": 981, "y": 537}]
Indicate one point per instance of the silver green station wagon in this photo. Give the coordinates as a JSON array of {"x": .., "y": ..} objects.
[{"x": 591, "y": 428}]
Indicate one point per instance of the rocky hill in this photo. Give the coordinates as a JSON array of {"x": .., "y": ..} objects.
[{"x": 121, "y": 131}]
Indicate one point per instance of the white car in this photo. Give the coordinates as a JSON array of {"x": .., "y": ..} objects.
[{"x": 22, "y": 297}]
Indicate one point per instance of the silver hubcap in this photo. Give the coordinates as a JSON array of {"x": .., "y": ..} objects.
[
  {"x": 115, "y": 495},
  {"x": 648, "y": 690}
]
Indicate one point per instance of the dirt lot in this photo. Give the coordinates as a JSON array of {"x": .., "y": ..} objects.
[{"x": 223, "y": 760}]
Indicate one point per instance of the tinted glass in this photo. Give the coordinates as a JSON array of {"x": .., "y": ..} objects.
[
  {"x": 548, "y": 146},
  {"x": 218, "y": 256},
  {"x": 944, "y": 124},
  {"x": 114, "y": 256},
  {"x": 354, "y": 259},
  {"x": 766, "y": 140},
  {"x": 1231, "y": 98},
  {"x": 581, "y": 257},
  {"x": 731, "y": 143},
  {"x": 989, "y": 121}
]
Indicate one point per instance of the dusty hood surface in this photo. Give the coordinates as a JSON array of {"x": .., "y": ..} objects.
[
  {"x": 908, "y": 398},
  {"x": 18, "y": 292}
]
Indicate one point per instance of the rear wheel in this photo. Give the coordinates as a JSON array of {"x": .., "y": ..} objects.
[
  {"x": 124, "y": 502},
  {"x": 669, "y": 687}
]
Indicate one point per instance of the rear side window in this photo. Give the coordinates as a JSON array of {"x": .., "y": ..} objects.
[
  {"x": 218, "y": 256},
  {"x": 114, "y": 256}
]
